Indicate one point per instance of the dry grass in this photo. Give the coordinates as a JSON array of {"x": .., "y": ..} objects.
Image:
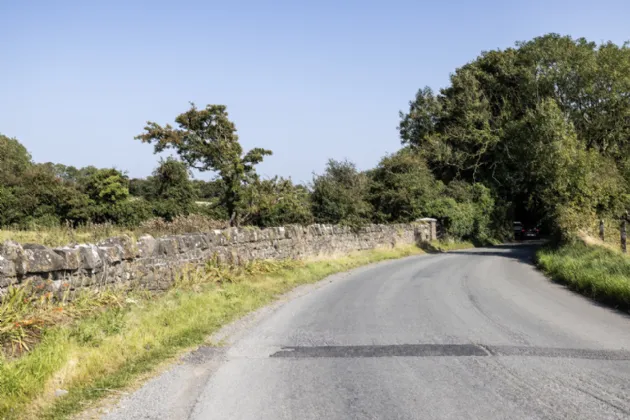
[
  {"x": 591, "y": 240},
  {"x": 118, "y": 340},
  {"x": 92, "y": 233},
  {"x": 612, "y": 234}
]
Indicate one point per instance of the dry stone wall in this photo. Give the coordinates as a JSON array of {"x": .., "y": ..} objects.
[{"x": 154, "y": 262}]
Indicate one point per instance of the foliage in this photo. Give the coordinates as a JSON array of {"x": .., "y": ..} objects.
[
  {"x": 105, "y": 186},
  {"x": 142, "y": 187},
  {"x": 173, "y": 191},
  {"x": 402, "y": 187},
  {"x": 276, "y": 202},
  {"x": 545, "y": 125},
  {"x": 14, "y": 161},
  {"x": 340, "y": 195},
  {"x": 206, "y": 140}
]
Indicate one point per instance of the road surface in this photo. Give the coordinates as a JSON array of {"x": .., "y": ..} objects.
[{"x": 476, "y": 334}]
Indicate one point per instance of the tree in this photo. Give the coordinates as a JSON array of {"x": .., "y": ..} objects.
[
  {"x": 401, "y": 187},
  {"x": 106, "y": 186},
  {"x": 340, "y": 195},
  {"x": 510, "y": 117},
  {"x": 173, "y": 191},
  {"x": 14, "y": 161},
  {"x": 206, "y": 140}
]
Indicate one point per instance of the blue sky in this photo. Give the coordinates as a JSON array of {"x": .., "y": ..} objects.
[{"x": 310, "y": 80}]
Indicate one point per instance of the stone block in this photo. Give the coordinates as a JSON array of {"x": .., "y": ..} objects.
[
  {"x": 7, "y": 281},
  {"x": 110, "y": 254},
  {"x": 40, "y": 259},
  {"x": 71, "y": 258},
  {"x": 146, "y": 246},
  {"x": 167, "y": 247},
  {"x": 182, "y": 243},
  {"x": 12, "y": 251},
  {"x": 124, "y": 243},
  {"x": 7, "y": 267},
  {"x": 213, "y": 237},
  {"x": 233, "y": 235},
  {"x": 197, "y": 241},
  {"x": 293, "y": 232},
  {"x": 251, "y": 235},
  {"x": 90, "y": 257}
]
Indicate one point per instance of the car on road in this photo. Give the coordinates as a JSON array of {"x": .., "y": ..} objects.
[
  {"x": 518, "y": 230},
  {"x": 530, "y": 233}
]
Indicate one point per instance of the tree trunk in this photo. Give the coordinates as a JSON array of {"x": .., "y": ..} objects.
[
  {"x": 601, "y": 230},
  {"x": 623, "y": 236}
]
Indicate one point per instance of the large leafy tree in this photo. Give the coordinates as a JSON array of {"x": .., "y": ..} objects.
[
  {"x": 207, "y": 141},
  {"x": 507, "y": 116}
]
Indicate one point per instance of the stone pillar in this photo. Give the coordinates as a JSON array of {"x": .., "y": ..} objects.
[{"x": 432, "y": 227}]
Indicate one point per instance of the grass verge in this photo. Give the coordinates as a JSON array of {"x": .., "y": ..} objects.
[
  {"x": 95, "y": 355},
  {"x": 595, "y": 271}
]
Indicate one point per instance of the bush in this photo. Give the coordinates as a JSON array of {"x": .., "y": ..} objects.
[
  {"x": 275, "y": 202},
  {"x": 129, "y": 213},
  {"x": 340, "y": 195},
  {"x": 465, "y": 212}
]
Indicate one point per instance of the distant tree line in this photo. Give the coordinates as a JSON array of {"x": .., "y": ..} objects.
[
  {"x": 400, "y": 189},
  {"x": 538, "y": 132}
]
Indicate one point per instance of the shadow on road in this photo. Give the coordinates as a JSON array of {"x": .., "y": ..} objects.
[{"x": 522, "y": 251}]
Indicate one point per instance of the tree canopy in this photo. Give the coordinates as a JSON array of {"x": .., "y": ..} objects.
[
  {"x": 537, "y": 123},
  {"x": 206, "y": 140}
]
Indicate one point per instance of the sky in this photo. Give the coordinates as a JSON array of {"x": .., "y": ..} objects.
[{"x": 310, "y": 80}]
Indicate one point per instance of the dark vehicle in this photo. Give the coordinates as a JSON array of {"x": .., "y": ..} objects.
[
  {"x": 518, "y": 230},
  {"x": 530, "y": 233}
]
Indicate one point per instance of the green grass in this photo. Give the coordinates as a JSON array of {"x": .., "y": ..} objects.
[
  {"x": 595, "y": 271},
  {"x": 94, "y": 355}
]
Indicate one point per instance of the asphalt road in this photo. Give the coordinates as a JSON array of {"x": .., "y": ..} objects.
[{"x": 476, "y": 334}]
